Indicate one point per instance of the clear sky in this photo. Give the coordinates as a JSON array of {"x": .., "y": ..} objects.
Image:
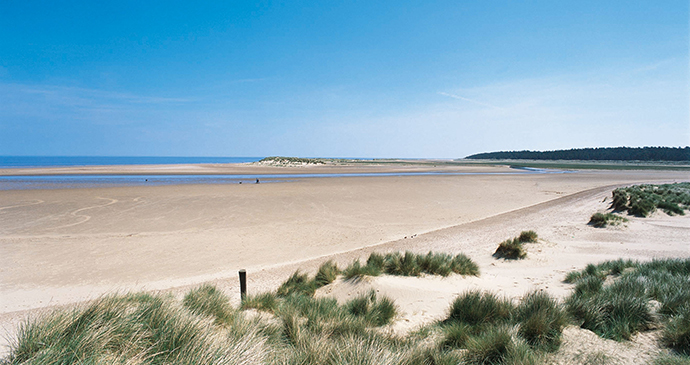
[{"x": 340, "y": 78}]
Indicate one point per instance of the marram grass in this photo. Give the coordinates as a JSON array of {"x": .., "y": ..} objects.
[
  {"x": 134, "y": 329},
  {"x": 412, "y": 264},
  {"x": 296, "y": 328},
  {"x": 624, "y": 307},
  {"x": 601, "y": 220},
  {"x": 643, "y": 200},
  {"x": 481, "y": 327},
  {"x": 512, "y": 249}
]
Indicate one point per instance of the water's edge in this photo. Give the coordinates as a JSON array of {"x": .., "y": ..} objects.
[{"x": 32, "y": 182}]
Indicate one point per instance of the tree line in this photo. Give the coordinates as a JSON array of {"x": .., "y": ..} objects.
[{"x": 602, "y": 153}]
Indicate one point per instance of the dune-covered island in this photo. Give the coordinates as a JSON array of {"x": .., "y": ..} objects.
[{"x": 347, "y": 261}]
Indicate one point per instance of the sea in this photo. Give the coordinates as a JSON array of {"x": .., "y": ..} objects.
[
  {"x": 65, "y": 161},
  {"x": 31, "y": 182}
]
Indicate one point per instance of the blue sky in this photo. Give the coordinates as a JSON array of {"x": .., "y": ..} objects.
[{"x": 438, "y": 79}]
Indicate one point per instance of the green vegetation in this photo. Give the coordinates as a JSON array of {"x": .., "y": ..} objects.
[
  {"x": 495, "y": 331},
  {"x": 134, "y": 328},
  {"x": 512, "y": 249},
  {"x": 496, "y": 345},
  {"x": 476, "y": 308},
  {"x": 280, "y": 160},
  {"x": 594, "y": 154},
  {"x": 642, "y": 200},
  {"x": 541, "y": 320},
  {"x": 561, "y": 164},
  {"x": 672, "y": 359},
  {"x": 375, "y": 312},
  {"x": 296, "y": 328},
  {"x": 528, "y": 236},
  {"x": 206, "y": 329},
  {"x": 411, "y": 264},
  {"x": 327, "y": 273},
  {"x": 267, "y": 302},
  {"x": 676, "y": 334},
  {"x": 601, "y": 220},
  {"x": 206, "y": 300},
  {"x": 622, "y": 307},
  {"x": 580, "y": 165},
  {"x": 615, "y": 299}
]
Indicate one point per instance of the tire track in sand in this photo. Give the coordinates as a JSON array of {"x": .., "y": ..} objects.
[
  {"x": 36, "y": 202},
  {"x": 86, "y": 217}
]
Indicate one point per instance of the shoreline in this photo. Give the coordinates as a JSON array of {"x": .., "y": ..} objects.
[
  {"x": 89, "y": 242},
  {"x": 240, "y": 169}
]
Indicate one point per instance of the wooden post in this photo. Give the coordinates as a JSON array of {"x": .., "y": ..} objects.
[{"x": 243, "y": 284}]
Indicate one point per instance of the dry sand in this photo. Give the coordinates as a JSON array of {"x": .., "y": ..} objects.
[{"x": 68, "y": 245}]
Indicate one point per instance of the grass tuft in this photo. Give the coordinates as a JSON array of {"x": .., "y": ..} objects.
[
  {"x": 134, "y": 328},
  {"x": 642, "y": 200},
  {"x": 672, "y": 359},
  {"x": 601, "y": 220},
  {"x": 623, "y": 307},
  {"x": 528, "y": 236},
  {"x": 207, "y": 300},
  {"x": 266, "y": 302},
  {"x": 497, "y": 346},
  {"x": 462, "y": 265},
  {"x": 355, "y": 271},
  {"x": 510, "y": 249},
  {"x": 541, "y": 320},
  {"x": 298, "y": 283},
  {"x": 455, "y": 335},
  {"x": 376, "y": 312},
  {"x": 411, "y": 264},
  {"x": 676, "y": 333},
  {"x": 327, "y": 273},
  {"x": 479, "y": 308}
]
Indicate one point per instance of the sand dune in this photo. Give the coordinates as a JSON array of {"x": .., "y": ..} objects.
[{"x": 68, "y": 245}]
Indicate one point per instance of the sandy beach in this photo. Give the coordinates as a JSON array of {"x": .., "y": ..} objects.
[{"x": 62, "y": 246}]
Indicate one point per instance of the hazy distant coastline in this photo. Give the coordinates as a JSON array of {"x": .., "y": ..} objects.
[
  {"x": 65, "y": 161},
  {"x": 593, "y": 154}
]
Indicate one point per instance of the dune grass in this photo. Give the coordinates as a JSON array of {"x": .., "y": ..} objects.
[
  {"x": 611, "y": 298},
  {"x": 134, "y": 328},
  {"x": 601, "y": 220},
  {"x": 676, "y": 333},
  {"x": 476, "y": 308},
  {"x": 512, "y": 249},
  {"x": 494, "y": 330},
  {"x": 296, "y": 328},
  {"x": 266, "y": 302},
  {"x": 642, "y": 200},
  {"x": 623, "y": 307},
  {"x": 528, "y": 236},
  {"x": 541, "y": 320},
  {"x": 411, "y": 264},
  {"x": 672, "y": 359},
  {"x": 496, "y": 345},
  {"x": 328, "y": 272},
  {"x": 209, "y": 301}
]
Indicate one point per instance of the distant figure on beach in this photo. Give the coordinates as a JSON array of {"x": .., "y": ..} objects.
[{"x": 257, "y": 181}]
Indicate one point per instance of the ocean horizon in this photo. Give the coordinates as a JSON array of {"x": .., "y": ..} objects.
[{"x": 67, "y": 161}]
